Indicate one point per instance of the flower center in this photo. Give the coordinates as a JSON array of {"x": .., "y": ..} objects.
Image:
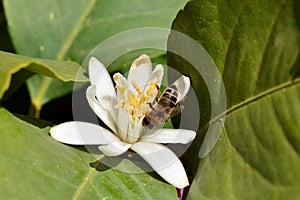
[{"x": 136, "y": 102}]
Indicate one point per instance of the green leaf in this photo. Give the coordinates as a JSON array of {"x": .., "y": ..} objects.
[
  {"x": 71, "y": 29},
  {"x": 34, "y": 166},
  {"x": 12, "y": 63},
  {"x": 50, "y": 89},
  {"x": 255, "y": 45},
  {"x": 258, "y": 154}
]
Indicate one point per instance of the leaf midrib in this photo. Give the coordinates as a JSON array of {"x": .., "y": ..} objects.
[
  {"x": 84, "y": 183},
  {"x": 62, "y": 53},
  {"x": 47, "y": 82},
  {"x": 252, "y": 99},
  {"x": 73, "y": 34}
]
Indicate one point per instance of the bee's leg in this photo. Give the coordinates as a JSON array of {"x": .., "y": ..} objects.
[
  {"x": 150, "y": 105},
  {"x": 158, "y": 93},
  {"x": 177, "y": 110}
]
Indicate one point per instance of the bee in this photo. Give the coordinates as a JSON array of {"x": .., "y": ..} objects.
[{"x": 167, "y": 106}]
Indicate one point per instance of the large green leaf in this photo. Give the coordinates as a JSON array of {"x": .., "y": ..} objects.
[
  {"x": 12, "y": 63},
  {"x": 255, "y": 45},
  {"x": 34, "y": 166},
  {"x": 71, "y": 29},
  {"x": 258, "y": 154}
]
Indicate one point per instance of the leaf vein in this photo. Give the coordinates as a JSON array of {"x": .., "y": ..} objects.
[
  {"x": 95, "y": 189},
  {"x": 234, "y": 150},
  {"x": 227, "y": 47},
  {"x": 84, "y": 184},
  {"x": 252, "y": 99},
  {"x": 230, "y": 145},
  {"x": 146, "y": 196},
  {"x": 76, "y": 30},
  {"x": 265, "y": 48},
  {"x": 287, "y": 139}
]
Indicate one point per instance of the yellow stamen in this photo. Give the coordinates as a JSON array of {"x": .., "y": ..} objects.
[
  {"x": 136, "y": 87},
  {"x": 136, "y": 104},
  {"x": 120, "y": 104},
  {"x": 152, "y": 89}
]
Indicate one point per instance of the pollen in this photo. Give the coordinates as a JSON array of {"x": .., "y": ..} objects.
[
  {"x": 152, "y": 89},
  {"x": 135, "y": 102}
]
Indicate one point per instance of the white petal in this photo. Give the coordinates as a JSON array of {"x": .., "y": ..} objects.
[
  {"x": 135, "y": 131},
  {"x": 95, "y": 70},
  {"x": 169, "y": 136},
  {"x": 106, "y": 113},
  {"x": 163, "y": 161},
  {"x": 114, "y": 149},
  {"x": 122, "y": 124},
  {"x": 101, "y": 79},
  {"x": 183, "y": 86},
  {"x": 157, "y": 74},
  {"x": 82, "y": 133},
  {"x": 128, "y": 131},
  {"x": 156, "y": 77},
  {"x": 140, "y": 72}
]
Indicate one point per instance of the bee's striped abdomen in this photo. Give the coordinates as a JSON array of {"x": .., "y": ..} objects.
[{"x": 163, "y": 108}]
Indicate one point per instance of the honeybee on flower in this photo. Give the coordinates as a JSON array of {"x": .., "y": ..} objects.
[{"x": 124, "y": 109}]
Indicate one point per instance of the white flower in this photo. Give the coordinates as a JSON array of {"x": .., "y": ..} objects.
[{"x": 123, "y": 112}]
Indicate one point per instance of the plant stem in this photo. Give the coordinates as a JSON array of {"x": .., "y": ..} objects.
[{"x": 34, "y": 110}]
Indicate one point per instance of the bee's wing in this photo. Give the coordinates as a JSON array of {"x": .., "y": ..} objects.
[{"x": 176, "y": 111}]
